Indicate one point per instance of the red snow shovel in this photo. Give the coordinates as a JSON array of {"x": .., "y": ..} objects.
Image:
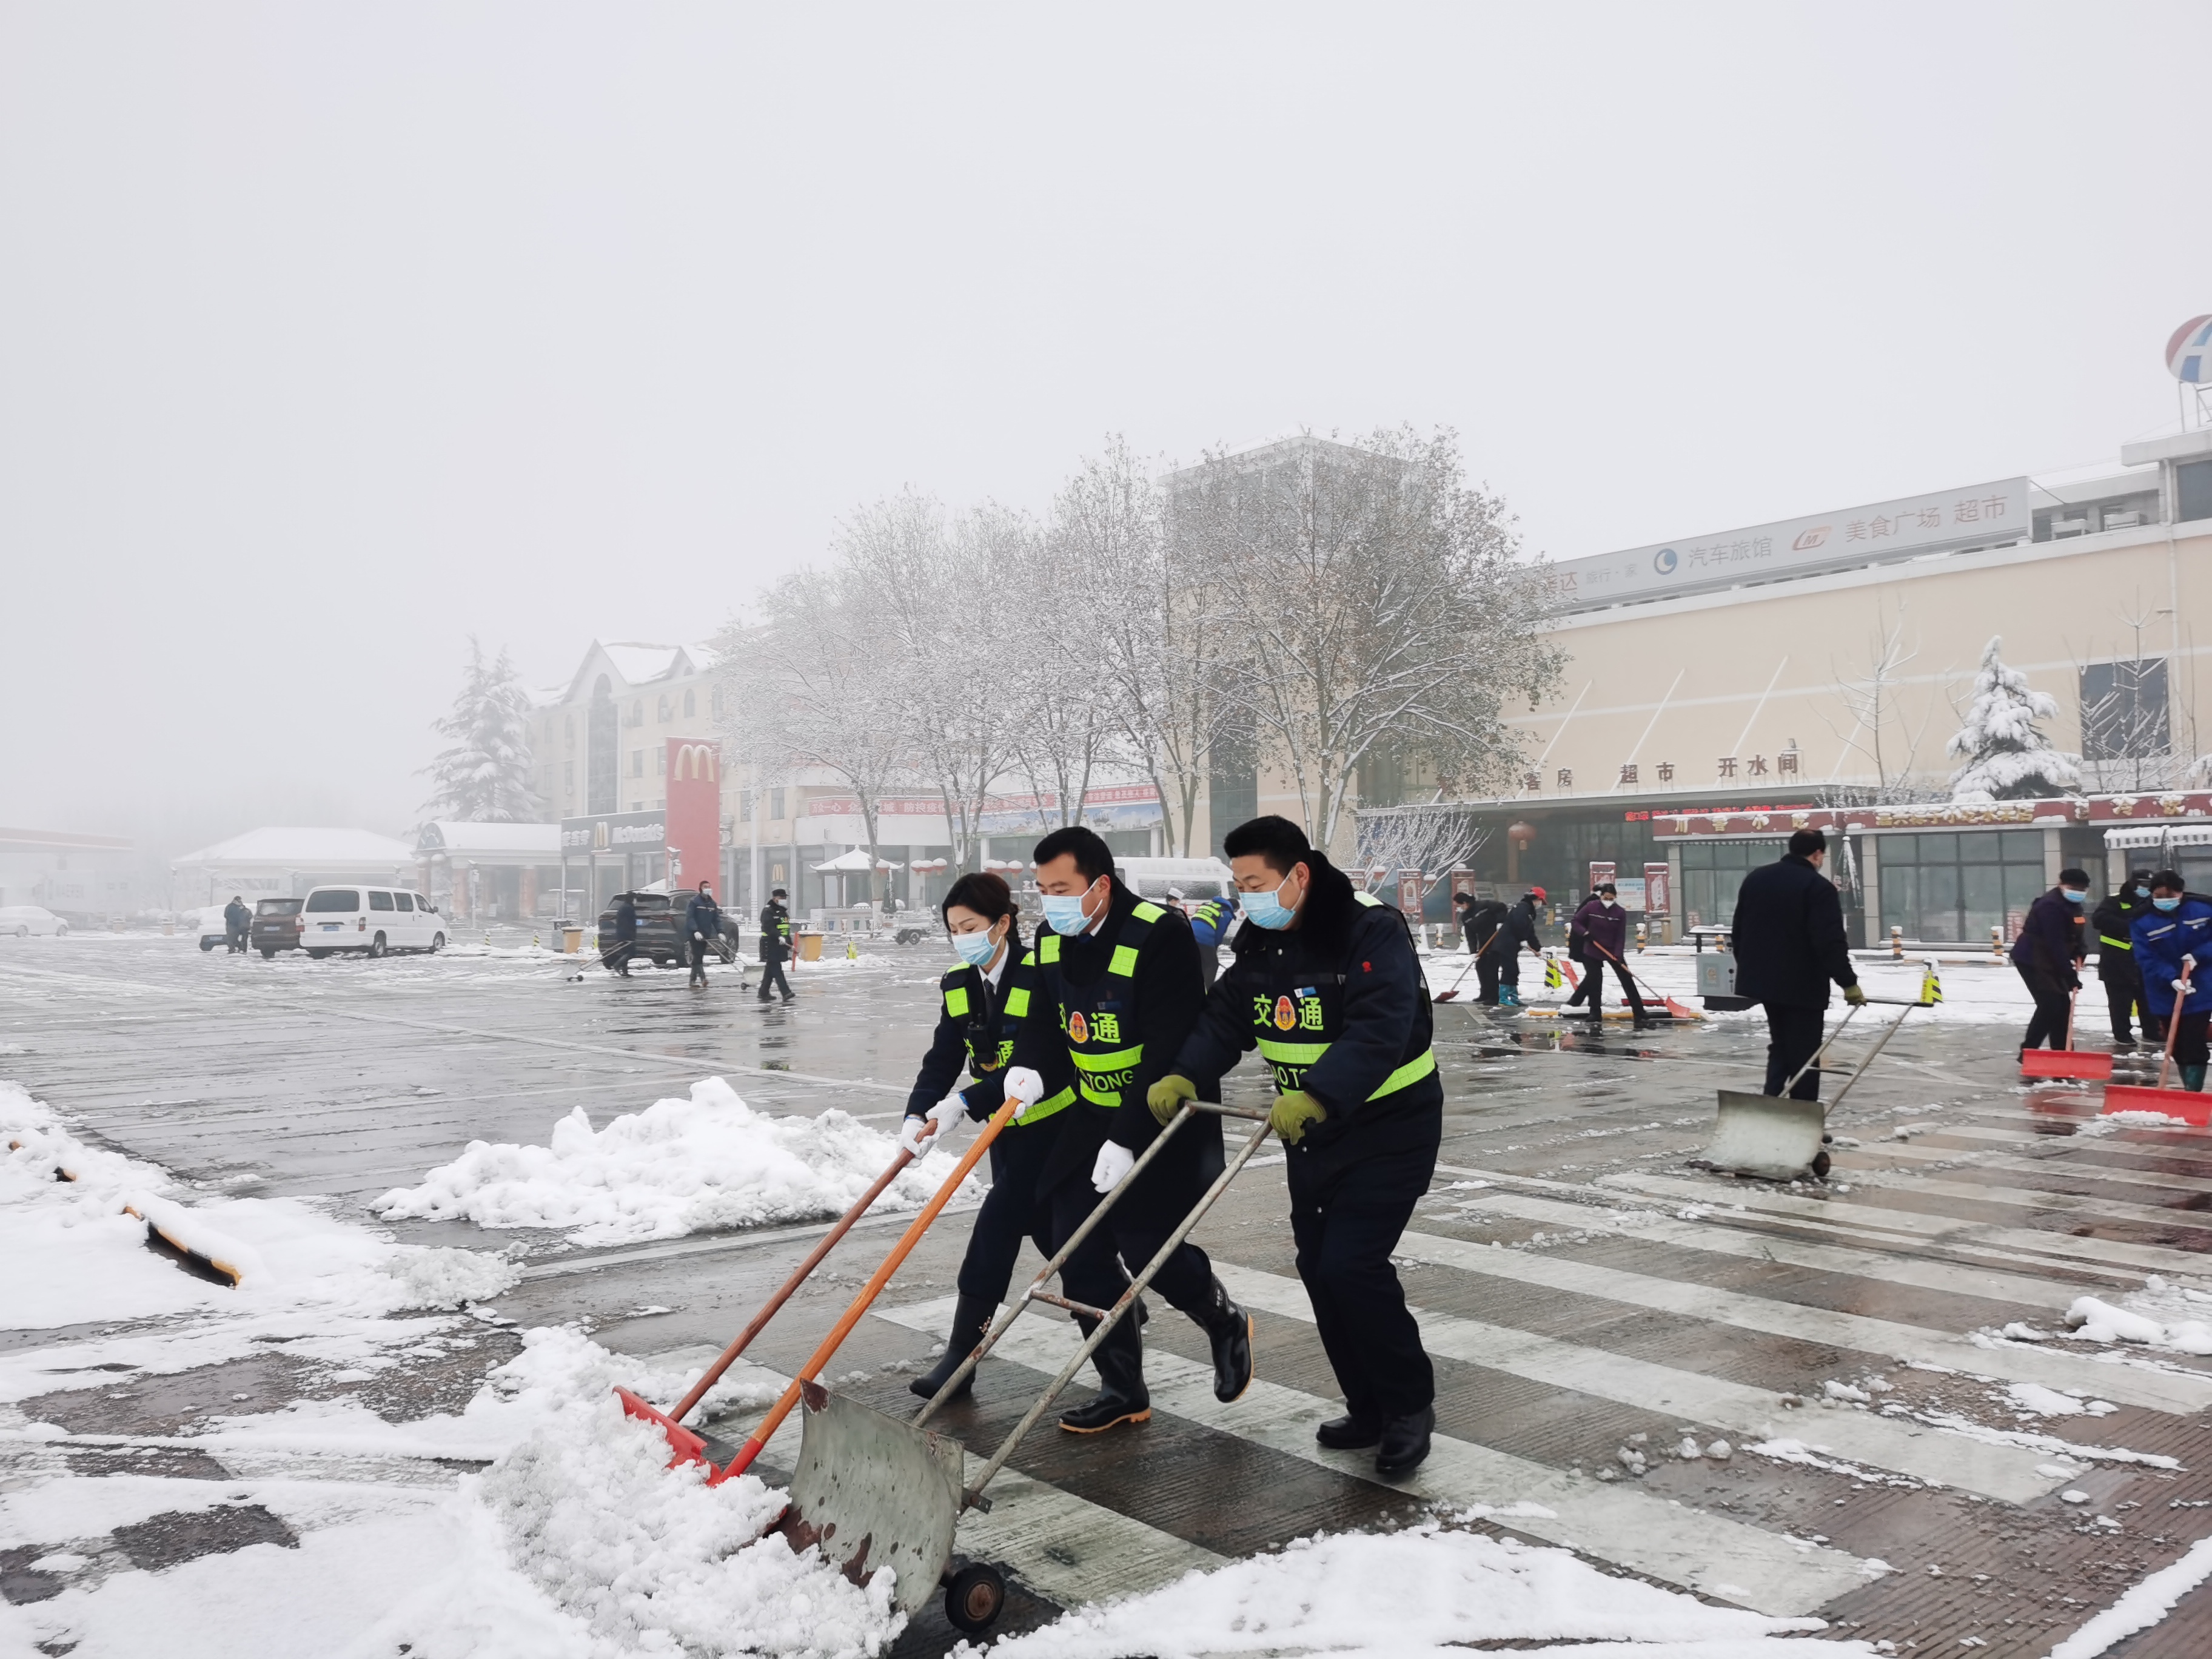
[
  {"x": 1446, "y": 996},
  {"x": 691, "y": 1448},
  {"x": 2083, "y": 1064},
  {"x": 2190, "y": 1106}
]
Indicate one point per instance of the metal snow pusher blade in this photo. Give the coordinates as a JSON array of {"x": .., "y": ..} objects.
[
  {"x": 2082, "y": 1064},
  {"x": 1778, "y": 1139},
  {"x": 873, "y": 1491}
]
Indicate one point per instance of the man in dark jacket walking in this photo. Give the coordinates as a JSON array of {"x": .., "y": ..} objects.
[
  {"x": 2111, "y": 928},
  {"x": 236, "y": 919},
  {"x": 2049, "y": 953},
  {"x": 776, "y": 945},
  {"x": 1480, "y": 921},
  {"x": 702, "y": 932},
  {"x": 1517, "y": 934},
  {"x": 1603, "y": 927},
  {"x": 1326, "y": 985},
  {"x": 1789, "y": 945},
  {"x": 625, "y": 934}
]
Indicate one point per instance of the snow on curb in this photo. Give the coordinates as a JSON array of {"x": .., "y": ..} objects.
[{"x": 678, "y": 1167}]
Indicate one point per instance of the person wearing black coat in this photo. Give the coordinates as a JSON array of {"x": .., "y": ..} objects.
[
  {"x": 2048, "y": 954},
  {"x": 2110, "y": 928},
  {"x": 702, "y": 932},
  {"x": 236, "y": 919},
  {"x": 1480, "y": 919},
  {"x": 776, "y": 945},
  {"x": 1120, "y": 989},
  {"x": 1789, "y": 945},
  {"x": 1517, "y": 934},
  {"x": 625, "y": 935},
  {"x": 1327, "y": 985},
  {"x": 1602, "y": 927}
]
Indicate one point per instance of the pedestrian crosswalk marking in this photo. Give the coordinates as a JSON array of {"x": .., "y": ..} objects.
[
  {"x": 1063, "y": 1547},
  {"x": 2021, "y": 1245},
  {"x": 2006, "y": 1472},
  {"x": 2161, "y": 1390},
  {"x": 1727, "y": 1559},
  {"x": 1713, "y": 1236},
  {"x": 2023, "y": 1198},
  {"x": 2049, "y": 1166},
  {"x": 2168, "y": 1145}
]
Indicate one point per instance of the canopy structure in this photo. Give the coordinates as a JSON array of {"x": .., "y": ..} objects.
[{"x": 857, "y": 861}]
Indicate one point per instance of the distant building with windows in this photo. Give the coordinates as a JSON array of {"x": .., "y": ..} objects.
[{"x": 83, "y": 879}]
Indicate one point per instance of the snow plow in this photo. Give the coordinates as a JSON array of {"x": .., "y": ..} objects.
[{"x": 1775, "y": 1138}]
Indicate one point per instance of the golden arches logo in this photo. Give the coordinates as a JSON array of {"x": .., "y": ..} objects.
[{"x": 698, "y": 760}]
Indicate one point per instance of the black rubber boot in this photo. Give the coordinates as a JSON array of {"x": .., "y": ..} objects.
[
  {"x": 1405, "y": 1443},
  {"x": 971, "y": 1318},
  {"x": 1123, "y": 1399},
  {"x": 1229, "y": 1329},
  {"x": 1351, "y": 1432}
]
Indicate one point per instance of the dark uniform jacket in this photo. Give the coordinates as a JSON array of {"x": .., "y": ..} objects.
[
  {"x": 625, "y": 923},
  {"x": 976, "y": 1025},
  {"x": 2050, "y": 940},
  {"x": 1341, "y": 1000},
  {"x": 236, "y": 917},
  {"x": 1153, "y": 999},
  {"x": 1481, "y": 923},
  {"x": 702, "y": 916},
  {"x": 1789, "y": 936},
  {"x": 776, "y": 932},
  {"x": 2108, "y": 928}
]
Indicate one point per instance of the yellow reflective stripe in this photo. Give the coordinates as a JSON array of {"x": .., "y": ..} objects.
[
  {"x": 1109, "y": 1062},
  {"x": 1124, "y": 961},
  {"x": 1412, "y": 1071},
  {"x": 955, "y": 1002},
  {"x": 1045, "y": 1108},
  {"x": 1048, "y": 948},
  {"x": 2116, "y": 943},
  {"x": 1098, "y": 1097},
  {"x": 1017, "y": 1002},
  {"x": 1292, "y": 1053},
  {"x": 1147, "y": 911}
]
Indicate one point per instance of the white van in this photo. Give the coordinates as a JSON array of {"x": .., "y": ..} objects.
[{"x": 369, "y": 919}]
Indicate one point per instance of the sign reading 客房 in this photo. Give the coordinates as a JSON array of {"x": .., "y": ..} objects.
[{"x": 1984, "y": 514}]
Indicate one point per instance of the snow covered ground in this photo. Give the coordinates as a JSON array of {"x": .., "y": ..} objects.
[{"x": 678, "y": 1167}]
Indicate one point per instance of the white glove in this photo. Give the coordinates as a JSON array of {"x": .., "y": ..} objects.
[
  {"x": 1115, "y": 1161},
  {"x": 698, "y": 936},
  {"x": 2181, "y": 984},
  {"x": 1024, "y": 1084},
  {"x": 946, "y": 1112},
  {"x": 912, "y": 1132}
]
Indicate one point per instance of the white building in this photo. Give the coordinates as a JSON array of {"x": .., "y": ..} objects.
[{"x": 284, "y": 863}]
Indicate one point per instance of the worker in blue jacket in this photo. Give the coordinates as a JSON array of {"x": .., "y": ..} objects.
[
  {"x": 1326, "y": 985},
  {"x": 2173, "y": 938}
]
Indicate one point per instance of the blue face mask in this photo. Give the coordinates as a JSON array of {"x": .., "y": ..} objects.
[
  {"x": 975, "y": 949},
  {"x": 2143, "y": 892},
  {"x": 1268, "y": 909},
  {"x": 2166, "y": 903},
  {"x": 2074, "y": 897},
  {"x": 1063, "y": 912}
]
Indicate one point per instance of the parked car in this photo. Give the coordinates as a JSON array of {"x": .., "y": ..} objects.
[
  {"x": 368, "y": 921},
  {"x": 207, "y": 923},
  {"x": 277, "y": 926},
  {"x": 661, "y": 927},
  {"x": 21, "y": 920}
]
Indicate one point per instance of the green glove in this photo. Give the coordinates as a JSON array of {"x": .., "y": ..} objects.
[
  {"x": 1293, "y": 1112},
  {"x": 1166, "y": 1097},
  {"x": 1856, "y": 995}
]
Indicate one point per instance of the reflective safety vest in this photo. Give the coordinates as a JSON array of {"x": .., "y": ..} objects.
[
  {"x": 1294, "y": 1028},
  {"x": 1091, "y": 1016},
  {"x": 963, "y": 1001}
]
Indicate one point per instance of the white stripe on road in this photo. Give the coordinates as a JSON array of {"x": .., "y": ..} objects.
[
  {"x": 1065, "y": 1549},
  {"x": 1638, "y": 1529},
  {"x": 2006, "y": 1472},
  {"x": 2166, "y": 1391},
  {"x": 2065, "y": 1168}
]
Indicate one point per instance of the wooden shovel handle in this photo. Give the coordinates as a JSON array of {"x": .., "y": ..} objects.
[{"x": 758, "y": 1440}]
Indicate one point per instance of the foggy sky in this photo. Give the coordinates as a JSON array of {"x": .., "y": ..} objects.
[{"x": 332, "y": 335}]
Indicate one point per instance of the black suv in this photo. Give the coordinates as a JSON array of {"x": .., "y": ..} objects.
[
  {"x": 275, "y": 925},
  {"x": 660, "y": 930}
]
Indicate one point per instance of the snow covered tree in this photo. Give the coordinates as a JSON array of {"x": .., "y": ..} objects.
[
  {"x": 2007, "y": 758},
  {"x": 484, "y": 778}
]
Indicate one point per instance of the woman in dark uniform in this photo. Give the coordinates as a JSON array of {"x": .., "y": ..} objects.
[{"x": 983, "y": 1002}]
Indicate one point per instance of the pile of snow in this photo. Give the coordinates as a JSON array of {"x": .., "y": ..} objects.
[
  {"x": 2159, "y": 1316},
  {"x": 678, "y": 1167},
  {"x": 1422, "y": 1591}
]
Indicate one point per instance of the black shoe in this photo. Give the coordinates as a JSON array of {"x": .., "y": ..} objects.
[
  {"x": 1229, "y": 1329},
  {"x": 1350, "y": 1433},
  {"x": 791, "y": 996},
  {"x": 971, "y": 1318},
  {"x": 1405, "y": 1443},
  {"x": 1122, "y": 1399}
]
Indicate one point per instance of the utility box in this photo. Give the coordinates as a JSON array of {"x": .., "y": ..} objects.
[{"x": 1717, "y": 972}]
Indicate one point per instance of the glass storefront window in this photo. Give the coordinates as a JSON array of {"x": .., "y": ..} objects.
[
  {"x": 1953, "y": 889},
  {"x": 1711, "y": 872}
]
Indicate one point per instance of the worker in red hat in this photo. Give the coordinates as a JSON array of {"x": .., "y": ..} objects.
[{"x": 1516, "y": 934}]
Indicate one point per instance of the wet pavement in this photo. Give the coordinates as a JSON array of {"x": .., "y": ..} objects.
[{"x": 1592, "y": 1299}]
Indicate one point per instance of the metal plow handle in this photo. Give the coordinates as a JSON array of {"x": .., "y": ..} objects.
[{"x": 874, "y": 1492}]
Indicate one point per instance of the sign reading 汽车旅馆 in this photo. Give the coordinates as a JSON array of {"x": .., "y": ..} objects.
[{"x": 1984, "y": 514}]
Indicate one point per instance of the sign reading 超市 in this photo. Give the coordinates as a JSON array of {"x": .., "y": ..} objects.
[{"x": 1983, "y": 514}]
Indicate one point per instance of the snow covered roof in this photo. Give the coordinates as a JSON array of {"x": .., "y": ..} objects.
[
  {"x": 535, "y": 839},
  {"x": 640, "y": 664},
  {"x": 303, "y": 849},
  {"x": 635, "y": 663}
]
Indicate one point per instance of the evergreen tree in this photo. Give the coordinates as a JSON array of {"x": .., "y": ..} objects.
[
  {"x": 485, "y": 776},
  {"x": 2006, "y": 757}
]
